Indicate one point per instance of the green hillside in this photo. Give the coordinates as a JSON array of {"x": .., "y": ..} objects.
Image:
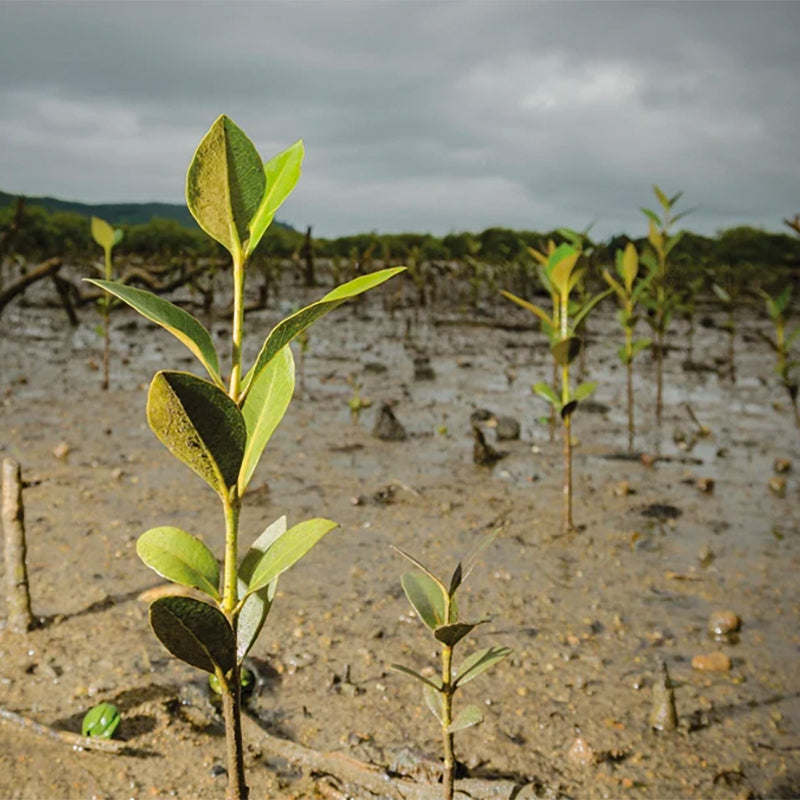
[{"x": 116, "y": 213}]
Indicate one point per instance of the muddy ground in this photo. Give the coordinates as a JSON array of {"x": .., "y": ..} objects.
[{"x": 589, "y": 614}]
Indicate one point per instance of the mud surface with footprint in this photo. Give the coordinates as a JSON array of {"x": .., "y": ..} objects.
[{"x": 591, "y": 615}]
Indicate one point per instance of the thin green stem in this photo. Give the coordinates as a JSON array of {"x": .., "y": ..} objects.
[
  {"x": 232, "y": 505},
  {"x": 239, "y": 265},
  {"x": 232, "y": 714},
  {"x": 448, "y": 774}
]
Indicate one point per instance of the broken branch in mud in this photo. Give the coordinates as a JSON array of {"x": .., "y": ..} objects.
[
  {"x": 65, "y": 737},
  {"x": 36, "y": 274},
  {"x": 18, "y": 598},
  {"x": 373, "y": 780}
]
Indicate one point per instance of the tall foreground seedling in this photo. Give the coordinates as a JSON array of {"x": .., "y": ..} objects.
[
  {"x": 661, "y": 299},
  {"x": 435, "y": 605},
  {"x": 560, "y": 275},
  {"x": 220, "y": 431},
  {"x": 107, "y": 237},
  {"x": 628, "y": 293}
]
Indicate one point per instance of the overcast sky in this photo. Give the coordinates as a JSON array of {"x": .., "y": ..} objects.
[{"x": 417, "y": 116}]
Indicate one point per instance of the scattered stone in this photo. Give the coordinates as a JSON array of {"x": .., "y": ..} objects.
[
  {"x": 387, "y": 426},
  {"x": 480, "y": 415},
  {"x": 416, "y": 764},
  {"x": 782, "y": 465},
  {"x": 61, "y": 450},
  {"x": 723, "y": 625},
  {"x": 623, "y": 489},
  {"x": 661, "y": 511},
  {"x": 711, "y": 662},
  {"x": 423, "y": 371},
  {"x": 507, "y": 429},
  {"x": 581, "y": 753},
  {"x": 777, "y": 486},
  {"x": 483, "y": 453},
  {"x": 663, "y": 716},
  {"x": 375, "y": 367},
  {"x": 706, "y": 556},
  {"x": 705, "y": 485}
]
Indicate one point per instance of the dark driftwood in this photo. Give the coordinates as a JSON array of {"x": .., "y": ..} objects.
[
  {"x": 18, "y": 599},
  {"x": 36, "y": 274},
  {"x": 374, "y": 782}
]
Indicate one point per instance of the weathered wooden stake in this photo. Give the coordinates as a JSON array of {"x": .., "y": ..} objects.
[{"x": 18, "y": 599}]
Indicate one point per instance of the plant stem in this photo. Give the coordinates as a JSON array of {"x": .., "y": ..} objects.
[
  {"x": 232, "y": 505},
  {"x": 232, "y": 713},
  {"x": 631, "y": 427},
  {"x": 566, "y": 523},
  {"x": 237, "y": 327},
  {"x": 448, "y": 773}
]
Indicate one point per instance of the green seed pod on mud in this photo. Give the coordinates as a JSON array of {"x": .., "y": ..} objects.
[{"x": 101, "y": 721}]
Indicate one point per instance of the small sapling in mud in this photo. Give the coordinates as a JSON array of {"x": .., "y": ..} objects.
[
  {"x": 107, "y": 237},
  {"x": 628, "y": 292},
  {"x": 781, "y": 342},
  {"x": 560, "y": 275},
  {"x": 219, "y": 428},
  {"x": 435, "y": 605},
  {"x": 661, "y": 299}
]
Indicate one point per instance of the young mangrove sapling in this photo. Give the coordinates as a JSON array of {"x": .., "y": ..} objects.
[
  {"x": 219, "y": 428},
  {"x": 107, "y": 237},
  {"x": 435, "y": 605}
]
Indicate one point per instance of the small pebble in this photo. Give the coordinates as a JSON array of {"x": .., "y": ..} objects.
[
  {"x": 782, "y": 465},
  {"x": 705, "y": 485},
  {"x": 622, "y": 489},
  {"x": 61, "y": 450},
  {"x": 723, "y": 624},
  {"x": 777, "y": 486},
  {"x": 581, "y": 753},
  {"x": 711, "y": 662}
]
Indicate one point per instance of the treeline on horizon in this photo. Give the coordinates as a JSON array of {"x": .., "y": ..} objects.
[{"x": 766, "y": 257}]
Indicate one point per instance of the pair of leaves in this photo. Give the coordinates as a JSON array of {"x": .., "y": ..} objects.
[
  {"x": 465, "y": 718},
  {"x": 106, "y": 236},
  {"x": 472, "y": 666},
  {"x": 565, "y": 409},
  {"x": 231, "y": 193}
]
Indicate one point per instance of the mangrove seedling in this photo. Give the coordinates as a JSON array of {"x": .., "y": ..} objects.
[
  {"x": 107, "y": 237},
  {"x": 219, "y": 429},
  {"x": 435, "y": 605},
  {"x": 101, "y": 721},
  {"x": 661, "y": 300},
  {"x": 781, "y": 343},
  {"x": 560, "y": 275},
  {"x": 628, "y": 292}
]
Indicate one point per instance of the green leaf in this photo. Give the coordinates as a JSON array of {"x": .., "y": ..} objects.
[
  {"x": 543, "y": 315},
  {"x": 472, "y": 559},
  {"x": 263, "y": 409},
  {"x": 466, "y": 718},
  {"x": 256, "y": 606},
  {"x": 433, "y": 699},
  {"x": 282, "y": 173},
  {"x": 101, "y": 721},
  {"x": 194, "y": 632},
  {"x": 721, "y": 293},
  {"x": 479, "y": 662},
  {"x": 629, "y": 265},
  {"x": 548, "y": 393},
  {"x": 199, "y": 424},
  {"x": 622, "y": 354},
  {"x": 452, "y": 634},
  {"x": 225, "y": 184},
  {"x": 639, "y": 345},
  {"x": 180, "y": 557},
  {"x": 287, "y": 550},
  {"x": 790, "y": 339},
  {"x": 292, "y": 326},
  {"x": 182, "y": 325},
  {"x": 583, "y": 391},
  {"x": 587, "y": 307},
  {"x": 615, "y": 285},
  {"x": 560, "y": 266},
  {"x": 651, "y": 215},
  {"x": 662, "y": 198},
  {"x": 102, "y": 233},
  {"x": 427, "y": 597},
  {"x": 566, "y": 351},
  {"x": 427, "y": 681}
]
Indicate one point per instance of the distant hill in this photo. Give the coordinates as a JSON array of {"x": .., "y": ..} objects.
[{"x": 116, "y": 213}]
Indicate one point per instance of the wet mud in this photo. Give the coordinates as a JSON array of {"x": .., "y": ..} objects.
[{"x": 669, "y": 537}]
